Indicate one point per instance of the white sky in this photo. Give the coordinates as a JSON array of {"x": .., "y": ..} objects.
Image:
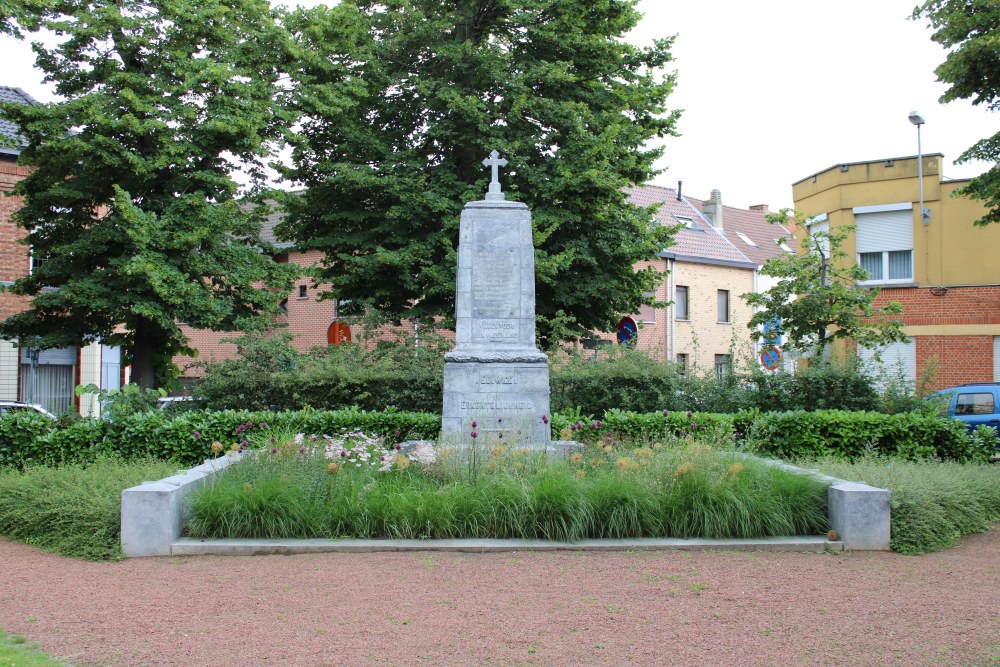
[{"x": 772, "y": 92}]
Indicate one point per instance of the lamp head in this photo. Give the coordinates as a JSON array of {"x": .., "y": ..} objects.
[{"x": 916, "y": 118}]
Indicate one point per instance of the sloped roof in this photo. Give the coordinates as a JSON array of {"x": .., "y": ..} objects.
[
  {"x": 7, "y": 128},
  {"x": 701, "y": 242},
  {"x": 755, "y": 226}
]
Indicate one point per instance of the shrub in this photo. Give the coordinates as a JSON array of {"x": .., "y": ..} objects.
[
  {"x": 73, "y": 510},
  {"x": 255, "y": 379},
  {"x": 932, "y": 503},
  {"x": 852, "y": 435},
  {"x": 820, "y": 387},
  {"x": 187, "y": 438}
]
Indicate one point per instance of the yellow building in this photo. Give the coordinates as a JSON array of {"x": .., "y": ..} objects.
[{"x": 941, "y": 267}]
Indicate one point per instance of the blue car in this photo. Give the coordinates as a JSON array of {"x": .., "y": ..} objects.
[{"x": 976, "y": 404}]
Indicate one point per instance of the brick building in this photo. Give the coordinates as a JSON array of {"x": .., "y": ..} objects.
[{"x": 941, "y": 268}]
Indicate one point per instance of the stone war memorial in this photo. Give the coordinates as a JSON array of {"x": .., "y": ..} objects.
[{"x": 496, "y": 381}]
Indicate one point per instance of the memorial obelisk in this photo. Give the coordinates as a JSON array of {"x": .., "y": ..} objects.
[{"x": 495, "y": 377}]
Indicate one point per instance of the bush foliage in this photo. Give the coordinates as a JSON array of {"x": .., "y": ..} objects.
[
  {"x": 72, "y": 510},
  {"x": 270, "y": 373},
  {"x": 932, "y": 503}
]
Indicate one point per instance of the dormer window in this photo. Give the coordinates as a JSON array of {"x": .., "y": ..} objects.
[{"x": 746, "y": 239}]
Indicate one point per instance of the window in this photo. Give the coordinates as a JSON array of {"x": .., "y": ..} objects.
[
  {"x": 885, "y": 242},
  {"x": 723, "y": 365},
  {"x": 682, "y": 362},
  {"x": 647, "y": 314},
  {"x": 303, "y": 291},
  {"x": 681, "y": 303},
  {"x": 746, "y": 239},
  {"x": 686, "y": 221},
  {"x": 817, "y": 227},
  {"x": 724, "y": 305},
  {"x": 974, "y": 404}
]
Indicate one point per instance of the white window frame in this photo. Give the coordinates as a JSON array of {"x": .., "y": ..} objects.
[{"x": 885, "y": 279}]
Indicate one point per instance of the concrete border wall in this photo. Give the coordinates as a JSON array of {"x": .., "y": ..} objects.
[
  {"x": 154, "y": 513},
  {"x": 858, "y": 512}
]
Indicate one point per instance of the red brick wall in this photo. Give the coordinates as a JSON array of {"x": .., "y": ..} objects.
[
  {"x": 960, "y": 358},
  {"x": 13, "y": 255},
  {"x": 959, "y": 305},
  {"x": 957, "y": 359}
]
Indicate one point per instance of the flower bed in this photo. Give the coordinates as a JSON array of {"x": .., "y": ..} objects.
[{"x": 354, "y": 485}]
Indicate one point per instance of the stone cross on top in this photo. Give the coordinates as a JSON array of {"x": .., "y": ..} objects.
[{"x": 494, "y": 162}]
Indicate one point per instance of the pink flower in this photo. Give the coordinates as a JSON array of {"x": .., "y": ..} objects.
[
  {"x": 343, "y": 453},
  {"x": 473, "y": 434},
  {"x": 474, "y": 424},
  {"x": 665, "y": 413},
  {"x": 545, "y": 419}
]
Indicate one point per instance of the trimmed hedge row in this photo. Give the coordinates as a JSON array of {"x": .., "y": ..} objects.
[
  {"x": 187, "y": 438},
  {"x": 795, "y": 434}
]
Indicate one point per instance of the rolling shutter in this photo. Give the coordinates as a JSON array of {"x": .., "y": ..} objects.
[
  {"x": 888, "y": 230},
  {"x": 898, "y": 359}
]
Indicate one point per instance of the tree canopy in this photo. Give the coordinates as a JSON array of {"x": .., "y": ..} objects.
[
  {"x": 970, "y": 29},
  {"x": 402, "y": 100},
  {"x": 818, "y": 300},
  {"x": 131, "y": 208}
]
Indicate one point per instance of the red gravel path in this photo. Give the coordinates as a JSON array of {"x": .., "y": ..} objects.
[{"x": 652, "y": 608}]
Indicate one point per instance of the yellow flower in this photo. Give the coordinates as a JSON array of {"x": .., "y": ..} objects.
[
  {"x": 333, "y": 468},
  {"x": 492, "y": 467},
  {"x": 247, "y": 486},
  {"x": 217, "y": 447},
  {"x": 576, "y": 458},
  {"x": 596, "y": 462},
  {"x": 683, "y": 469},
  {"x": 581, "y": 474},
  {"x": 497, "y": 452},
  {"x": 518, "y": 466},
  {"x": 234, "y": 447},
  {"x": 657, "y": 446},
  {"x": 401, "y": 461},
  {"x": 625, "y": 463},
  {"x": 566, "y": 434},
  {"x": 643, "y": 452},
  {"x": 736, "y": 469}
]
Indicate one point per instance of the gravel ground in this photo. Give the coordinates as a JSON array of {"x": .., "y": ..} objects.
[{"x": 639, "y": 608}]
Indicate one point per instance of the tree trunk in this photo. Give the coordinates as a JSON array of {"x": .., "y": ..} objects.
[{"x": 143, "y": 353}]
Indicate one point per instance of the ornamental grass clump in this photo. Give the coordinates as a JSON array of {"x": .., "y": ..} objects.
[{"x": 353, "y": 485}]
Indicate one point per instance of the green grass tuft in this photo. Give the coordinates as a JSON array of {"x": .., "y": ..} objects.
[
  {"x": 16, "y": 651},
  {"x": 72, "y": 510},
  {"x": 933, "y": 503},
  {"x": 682, "y": 490}
]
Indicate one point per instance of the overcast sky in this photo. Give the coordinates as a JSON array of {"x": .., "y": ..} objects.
[{"x": 772, "y": 92}]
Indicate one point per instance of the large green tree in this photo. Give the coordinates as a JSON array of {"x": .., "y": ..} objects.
[
  {"x": 402, "y": 100},
  {"x": 970, "y": 29},
  {"x": 817, "y": 298},
  {"x": 131, "y": 206}
]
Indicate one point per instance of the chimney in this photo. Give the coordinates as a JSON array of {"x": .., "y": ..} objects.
[
  {"x": 760, "y": 208},
  {"x": 713, "y": 209},
  {"x": 680, "y": 184}
]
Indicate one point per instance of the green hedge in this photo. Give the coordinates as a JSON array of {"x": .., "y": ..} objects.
[
  {"x": 187, "y": 438},
  {"x": 796, "y": 434}
]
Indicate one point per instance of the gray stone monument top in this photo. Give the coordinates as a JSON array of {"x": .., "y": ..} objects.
[{"x": 494, "y": 162}]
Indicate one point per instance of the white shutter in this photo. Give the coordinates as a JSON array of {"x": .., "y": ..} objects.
[
  {"x": 888, "y": 230},
  {"x": 898, "y": 359},
  {"x": 996, "y": 358}
]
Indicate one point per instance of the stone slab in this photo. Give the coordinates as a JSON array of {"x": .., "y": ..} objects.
[
  {"x": 196, "y": 547},
  {"x": 154, "y": 513},
  {"x": 861, "y": 514}
]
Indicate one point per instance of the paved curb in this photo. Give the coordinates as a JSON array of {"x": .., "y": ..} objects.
[{"x": 250, "y": 547}]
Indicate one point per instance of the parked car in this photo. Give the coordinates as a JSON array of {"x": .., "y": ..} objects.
[
  {"x": 13, "y": 407},
  {"x": 975, "y": 404},
  {"x": 175, "y": 405}
]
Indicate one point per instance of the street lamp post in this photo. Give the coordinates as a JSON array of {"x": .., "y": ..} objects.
[{"x": 918, "y": 120}]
